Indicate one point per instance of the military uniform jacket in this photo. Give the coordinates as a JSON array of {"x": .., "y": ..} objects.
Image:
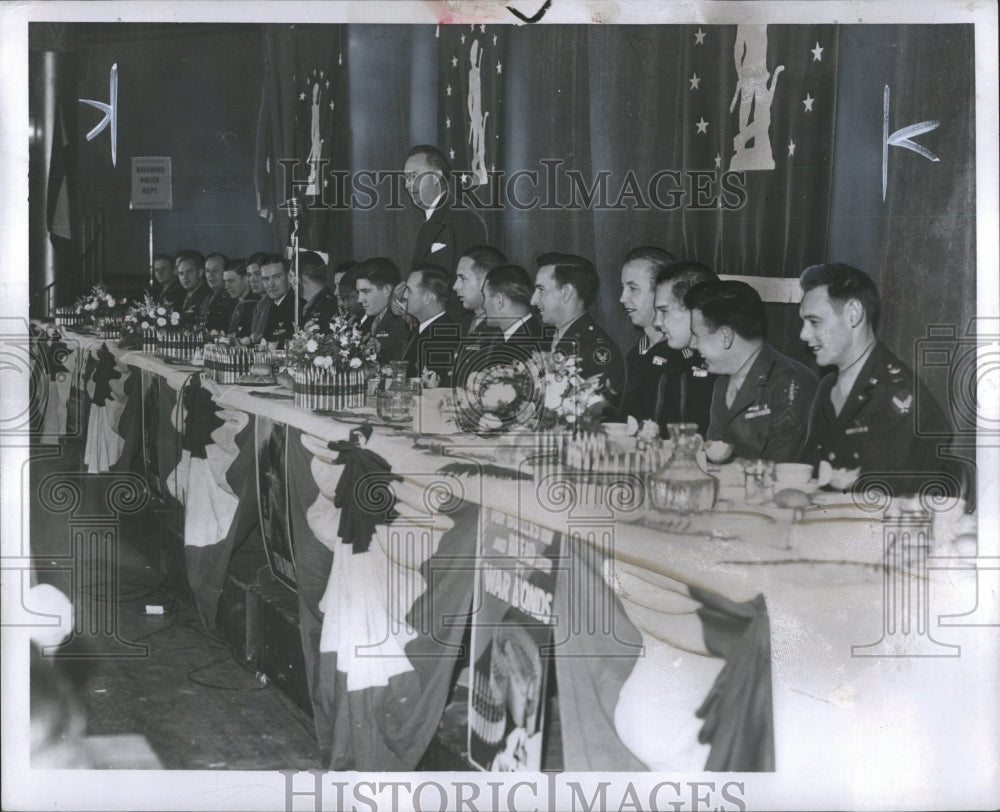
[
  {"x": 598, "y": 354},
  {"x": 218, "y": 310},
  {"x": 241, "y": 322},
  {"x": 434, "y": 350},
  {"x": 391, "y": 333},
  {"x": 173, "y": 295},
  {"x": 275, "y": 322},
  {"x": 769, "y": 418},
  {"x": 875, "y": 430},
  {"x": 667, "y": 386},
  {"x": 446, "y": 235},
  {"x": 320, "y": 309},
  {"x": 194, "y": 300}
]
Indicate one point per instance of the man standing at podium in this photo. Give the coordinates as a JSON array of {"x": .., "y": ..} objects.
[{"x": 448, "y": 230}]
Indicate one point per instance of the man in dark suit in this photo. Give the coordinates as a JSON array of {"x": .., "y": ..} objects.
[
  {"x": 761, "y": 400},
  {"x": 274, "y": 315},
  {"x": 682, "y": 386},
  {"x": 321, "y": 303},
  {"x": 432, "y": 348},
  {"x": 565, "y": 286},
  {"x": 470, "y": 273},
  {"x": 236, "y": 278},
  {"x": 864, "y": 413},
  {"x": 448, "y": 230},
  {"x": 376, "y": 279},
  {"x": 190, "y": 271}
]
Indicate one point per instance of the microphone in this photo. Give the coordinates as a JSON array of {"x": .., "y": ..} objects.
[{"x": 294, "y": 210}]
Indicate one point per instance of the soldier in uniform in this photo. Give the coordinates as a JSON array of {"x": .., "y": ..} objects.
[
  {"x": 684, "y": 386},
  {"x": 321, "y": 303},
  {"x": 236, "y": 278},
  {"x": 376, "y": 278},
  {"x": 434, "y": 343},
  {"x": 217, "y": 310},
  {"x": 472, "y": 268},
  {"x": 190, "y": 267},
  {"x": 564, "y": 287},
  {"x": 274, "y": 315},
  {"x": 863, "y": 414},
  {"x": 762, "y": 399}
]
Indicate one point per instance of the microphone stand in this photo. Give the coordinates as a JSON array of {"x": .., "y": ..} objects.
[{"x": 295, "y": 267}]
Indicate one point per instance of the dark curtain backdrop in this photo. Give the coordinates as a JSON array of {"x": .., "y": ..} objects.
[
  {"x": 622, "y": 99},
  {"x": 187, "y": 92}
]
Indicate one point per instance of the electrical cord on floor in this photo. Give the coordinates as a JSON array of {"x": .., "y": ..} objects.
[{"x": 261, "y": 678}]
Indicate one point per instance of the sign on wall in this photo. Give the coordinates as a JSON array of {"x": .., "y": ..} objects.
[{"x": 152, "y": 186}]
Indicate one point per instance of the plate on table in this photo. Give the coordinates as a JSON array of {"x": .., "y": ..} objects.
[{"x": 256, "y": 380}]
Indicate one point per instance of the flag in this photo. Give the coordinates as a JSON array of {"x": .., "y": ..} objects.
[
  {"x": 57, "y": 217},
  {"x": 471, "y": 64}
]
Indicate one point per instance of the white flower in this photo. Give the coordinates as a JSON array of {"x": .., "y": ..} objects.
[
  {"x": 355, "y": 363},
  {"x": 489, "y": 422},
  {"x": 175, "y": 319},
  {"x": 145, "y": 325},
  {"x": 312, "y": 345},
  {"x": 323, "y": 361},
  {"x": 161, "y": 322},
  {"x": 498, "y": 395},
  {"x": 554, "y": 396},
  {"x": 110, "y": 300}
]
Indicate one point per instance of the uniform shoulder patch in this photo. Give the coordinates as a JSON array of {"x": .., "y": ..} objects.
[
  {"x": 602, "y": 356},
  {"x": 903, "y": 402}
]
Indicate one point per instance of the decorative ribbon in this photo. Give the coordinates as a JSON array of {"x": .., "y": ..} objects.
[
  {"x": 103, "y": 373},
  {"x": 363, "y": 493},
  {"x": 201, "y": 418}
]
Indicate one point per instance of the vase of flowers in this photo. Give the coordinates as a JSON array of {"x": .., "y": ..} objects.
[
  {"x": 330, "y": 368},
  {"x": 102, "y": 309}
]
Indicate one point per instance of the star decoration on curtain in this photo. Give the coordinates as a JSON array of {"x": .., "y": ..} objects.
[
  {"x": 817, "y": 53},
  {"x": 718, "y": 161},
  {"x": 447, "y": 122},
  {"x": 699, "y": 37},
  {"x": 499, "y": 68},
  {"x": 462, "y": 39},
  {"x": 702, "y": 125},
  {"x": 454, "y": 61},
  {"x": 808, "y": 103},
  {"x": 447, "y": 90},
  {"x": 695, "y": 80},
  {"x": 302, "y": 96},
  {"x": 791, "y": 148},
  {"x": 451, "y": 155}
]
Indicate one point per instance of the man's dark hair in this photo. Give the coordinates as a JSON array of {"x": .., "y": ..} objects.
[
  {"x": 435, "y": 279},
  {"x": 569, "y": 269},
  {"x": 349, "y": 280},
  {"x": 237, "y": 266},
  {"x": 345, "y": 266},
  {"x": 659, "y": 258},
  {"x": 485, "y": 258},
  {"x": 158, "y": 255},
  {"x": 510, "y": 280},
  {"x": 434, "y": 157},
  {"x": 843, "y": 283},
  {"x": 274, "y": 259},
  {"x": 380, "y": 271},
  {"x": 220, "y": 255},
  {"x": 187, "y": 253},
  {"x": 311, "y": 266},
  {"x": 684, "y": 275},
  {"x": 728, "y": 304},
  {"x": 257, "y": 259}
]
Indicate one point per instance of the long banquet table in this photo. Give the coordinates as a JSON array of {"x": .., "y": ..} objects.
[{"x": 852, "y": 663}]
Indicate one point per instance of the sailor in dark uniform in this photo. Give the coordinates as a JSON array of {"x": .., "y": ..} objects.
[
  {"x": 236, "y": 278},
  {"x": 376, "y": 279},
  {"x": 762, "y": 399},
  {"x": 321, "y": 303},
  {"x": 190, "y": 268},
  {"x": 274, "y": 315},
  {"x": 647, "y": 360},
  {"x": 684, "y": 384},
  {"x": 217, "y": 309},
  {"x": 564, "y": 287},
  {"x": 863, "y": 417}
]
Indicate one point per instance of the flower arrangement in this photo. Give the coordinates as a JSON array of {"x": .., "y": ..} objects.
[
  {"x": 571, "y": 401},
  {"x": 345, "y": 347},
  {"x": 498, "y": 397},
  {"x": 99, "y": 302}
]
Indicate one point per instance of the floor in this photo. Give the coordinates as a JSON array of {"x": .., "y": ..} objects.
[{"x": 165, "y": 677}]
